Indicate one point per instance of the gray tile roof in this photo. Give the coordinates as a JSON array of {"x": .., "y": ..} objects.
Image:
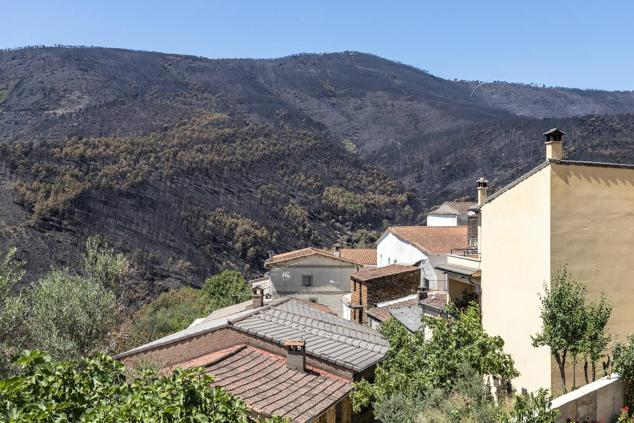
[
  {"x": 328, "y": 337},
  {"x": 457, "y": 269},
  {"x": 207, "y": 325},
  {"x": 410, "y": 317}
]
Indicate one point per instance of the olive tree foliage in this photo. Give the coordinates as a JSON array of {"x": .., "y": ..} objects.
[
  {"x": 13, "y": 334},
  {"x": 571, "y": 326},
  {"x": 65, "y": 313},
  {"x": 98, "y": 389},
  {"x": 71, "y": 316},
  {"x": 104, "y": 265}
]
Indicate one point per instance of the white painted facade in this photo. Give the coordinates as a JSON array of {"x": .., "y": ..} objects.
[
  {"x": 392, "y": 249},
  {"x": 329, "y": 279},
  {"x": 442, "y": 220}
]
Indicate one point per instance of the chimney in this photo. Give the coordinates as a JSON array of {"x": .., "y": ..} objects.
[
  {"x": 296, "y": 354},
  {"x": 337, "y": 252},
  {"x": 483, "y": 189},
  {"x": 423, "y": 292},
  {"x": 257, "y": 294},
  {"x": 554, "y": 144}
]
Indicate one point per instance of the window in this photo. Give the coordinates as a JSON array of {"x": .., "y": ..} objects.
[{"x": 307, "y": 280}]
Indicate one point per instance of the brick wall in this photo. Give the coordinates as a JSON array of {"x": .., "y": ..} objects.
[{"x": 205, "y": 343}]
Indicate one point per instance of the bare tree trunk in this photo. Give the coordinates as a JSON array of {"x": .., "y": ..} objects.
[
  {"x": 585, "y": 370},
  {"x": 594, "y": 371},
  {"x": 561, "y": 362},
  {"x": 574, "y": 372}
]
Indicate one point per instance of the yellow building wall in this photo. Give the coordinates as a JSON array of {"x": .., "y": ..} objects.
[
  {"x": 457, "y": 288},
  {"x": 592, "y": 232},
  {"x": 515, "y": 244}
]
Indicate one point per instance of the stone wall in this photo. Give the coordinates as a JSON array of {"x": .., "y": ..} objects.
[{"x": 386, "y": 288}]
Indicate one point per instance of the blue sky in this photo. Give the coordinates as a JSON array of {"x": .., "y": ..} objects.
[{"x": 585, "y": 44}]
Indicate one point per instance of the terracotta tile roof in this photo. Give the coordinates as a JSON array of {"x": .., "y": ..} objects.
[
  {"x": 383, "y": 313},
  {"x": 366, "y": 256},
  {"x": 266, "y": 384},
  {"x": 364, "y": 275},
  {"x": 304, "y": 252},
  {"x": 433, "y": 239}
]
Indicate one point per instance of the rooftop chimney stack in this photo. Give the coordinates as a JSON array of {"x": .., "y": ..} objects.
[
  {"x": 483, "y": 190},
  {"x": 423, "y": 292},
  {"x": 554, "y": 144},
  {"x": 257, "y": 294},
  {"x": 337, "y": 252},
  {"x": 296, "y": 354}
]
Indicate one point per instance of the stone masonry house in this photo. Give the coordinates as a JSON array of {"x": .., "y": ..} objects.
[
  {"x": 289, "y": 358},
  {"x": 372, "y": 286}
]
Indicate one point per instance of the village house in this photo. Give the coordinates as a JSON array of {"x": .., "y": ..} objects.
[
  {"x": 289, "y": 358},
  {"x": 368, "y": 287},
  {"x": 450, "y": 213},
  {"x": 316, "y": 275},
  {"x": 562, "y": 212},
  {"x": 424, "y": 247}
]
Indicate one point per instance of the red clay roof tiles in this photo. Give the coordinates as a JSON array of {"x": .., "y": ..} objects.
[
  {"x": 269, "y": 387},
  {"x": 433, "y": 239}
]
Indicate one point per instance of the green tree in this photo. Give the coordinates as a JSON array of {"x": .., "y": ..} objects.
[
  {"x": 597, "y": 339},
  {"x": 104, "y": 265},
  {"x": 225, "y": 289},
  {"x": 13, "y": 333},
  {"x": 66, "y": 314},
  {"x": 170, "y": 312},
  {"x": 71, "y": 316},
  {"x": 624, "y": 365},
  {"x": 564, "y": 320},
  {"x": 415, "y": 366},
  {"x": 532, "y": 408},
  {"x": 572, "y": 326},
  {"x": 99, "y": 389}
]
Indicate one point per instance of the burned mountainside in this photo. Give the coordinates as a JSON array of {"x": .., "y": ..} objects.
[{"x": 192, "y": 165}]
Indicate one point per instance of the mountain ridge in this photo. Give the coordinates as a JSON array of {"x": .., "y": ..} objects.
[{"x": 347, "y": 144}]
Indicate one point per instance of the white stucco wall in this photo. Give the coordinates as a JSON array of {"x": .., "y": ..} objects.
[
  {"x": 331, "y": 280},
  {"x": 391, "y": 248},
  {"x": 442, "y": 220}
]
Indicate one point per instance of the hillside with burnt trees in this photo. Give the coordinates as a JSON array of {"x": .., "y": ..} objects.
[{"x": 191, "y": 165}]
